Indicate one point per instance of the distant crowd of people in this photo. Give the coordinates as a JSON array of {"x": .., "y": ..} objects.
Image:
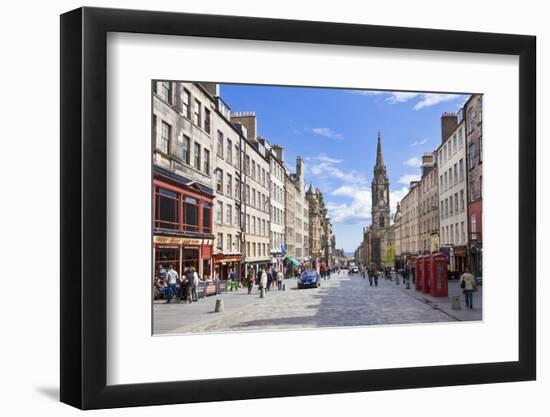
[{"x": 171, "y": 285}]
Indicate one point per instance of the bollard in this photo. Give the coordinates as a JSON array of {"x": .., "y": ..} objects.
[
  {"x": 219, "y": 306},
  {"x": 455, "y": 302},
  {"x": 262, "y": 293}
]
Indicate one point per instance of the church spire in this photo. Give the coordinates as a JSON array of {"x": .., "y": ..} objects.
[{"x": 379, "y": 159}]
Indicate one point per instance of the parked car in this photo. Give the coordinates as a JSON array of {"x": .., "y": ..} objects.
[{"x": 309, "y": 279}]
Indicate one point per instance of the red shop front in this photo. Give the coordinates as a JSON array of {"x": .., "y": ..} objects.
[{"x": 182, "y": 225}]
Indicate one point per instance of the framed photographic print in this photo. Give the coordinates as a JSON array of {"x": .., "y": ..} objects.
[{"x": 256, "y": 208}]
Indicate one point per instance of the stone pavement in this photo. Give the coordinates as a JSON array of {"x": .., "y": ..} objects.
[{"x": 341, "y": 301}]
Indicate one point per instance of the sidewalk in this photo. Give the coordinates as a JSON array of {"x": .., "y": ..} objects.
[
  {"x": 234, "y": 302},
  {"x": 444, "y": 303}
]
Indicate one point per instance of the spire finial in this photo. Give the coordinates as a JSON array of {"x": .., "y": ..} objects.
[{"x": 379, "y": 159}]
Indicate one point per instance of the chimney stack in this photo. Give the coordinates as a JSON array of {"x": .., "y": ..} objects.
[{"x": 449, "y": 122}]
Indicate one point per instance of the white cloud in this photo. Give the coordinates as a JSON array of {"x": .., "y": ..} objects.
[
  {"x": 414, "y": 162},
  {"x": 407, "y": 178},
  {"x": 326, "y": 132},
  {"x": 323, "y": 158},
  {"x": 396, "y": 196},
  {"x": 324, "y": 168},
  {"x": 426, "y": 99},
  {"x": 419, "y": 142},
  {"x": 356, "y": 211},
  {"x": 400, "y": 97},
  {"x": 433, "y": 99}
]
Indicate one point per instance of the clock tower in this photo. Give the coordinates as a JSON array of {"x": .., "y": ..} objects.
[{"x": 380, "y": 206}]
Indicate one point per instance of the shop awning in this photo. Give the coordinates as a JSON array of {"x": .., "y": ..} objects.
[{"x": 294, "y": 261}]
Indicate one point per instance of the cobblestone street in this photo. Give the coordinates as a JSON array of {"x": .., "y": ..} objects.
[{"x": 343, "y": 300}]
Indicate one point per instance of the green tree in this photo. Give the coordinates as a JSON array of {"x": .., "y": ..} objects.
[{"x": 389, "y": 256}]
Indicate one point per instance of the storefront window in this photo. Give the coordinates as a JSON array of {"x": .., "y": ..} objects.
[
  {"x": 206, "y": 218},
  {"x": 163, "y": 258},
  {"x": 166, "y": 209},
  {"x": 191, "y": 214},
  {"x": 190, "y": 259}
]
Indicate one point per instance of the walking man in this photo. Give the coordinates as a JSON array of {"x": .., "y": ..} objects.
[
  {"x": 263, "y": 280},
  {"x": 468, "y": 285},
  {"x": 279, "y": 281},
  {"x": 194, "y": 295},
  {"x": 172, "y": 279},
  {"x": 250, "y": 280}
]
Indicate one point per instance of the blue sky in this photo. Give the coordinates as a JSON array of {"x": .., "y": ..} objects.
[{"x": 335, "y": 131}]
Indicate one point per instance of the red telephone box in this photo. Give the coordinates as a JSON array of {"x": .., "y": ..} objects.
[
  {"x": 439, "y": 275},
  {"x": 426, "y": 274},
  {"x": 419, "y": 269}
]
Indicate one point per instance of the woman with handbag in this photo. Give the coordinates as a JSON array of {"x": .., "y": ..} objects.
[{"x": 468, "y": 285}]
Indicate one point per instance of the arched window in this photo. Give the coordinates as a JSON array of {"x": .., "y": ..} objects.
[{"x": 381, "y": 221}]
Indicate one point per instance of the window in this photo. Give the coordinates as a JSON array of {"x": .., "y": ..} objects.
[
  {"x": 455, "y": 167},
  {"x": 463, "y": 235},
  {"x": 461, "y": 200},
  {"x": 381, "y": 221},
  {"x": 163, "y": 143},
  {"x": 461, "y": 169},
  {"x": 197, "y": 113},
  {"x": 186, "y": 149},
  {"x": 452, "y": 234},
  {"x": 197, "y": 156},
  {"x": 461, "y": 138},
  {"x": 480, "y": 150},
  {"x": 191, "y": 214},
  {"x": 219, "y": 212},
  {"x": 185, "y": 110},
  {"x": 253, "y": 225},
  {"x": 248, "y": 223},
  {"x": 451, "y": 204},
  {"x": 229, "y": 154},
  {"x": 219, "y": 149},
  {"x": 456, "y": 233},
  {"x": 237, "y": 159},
  {"x": 229, "y": 242},
  {"x": 219, "y": 241},
  {"x": 446, "y": 207},
  {"x": 166, "y": 209},
  {"x": 237, "y": 189},
  {"x": 441, "y": 209},
  {"x": 229, "y": 214},
  {"x": 247, "y": 248},
  {"x": 446, "y": 183},
  {"x": 455, "y": 144},
  {"x": 229, "y": 185},
  {"x": 253, "y": 197},
  {"x": 456, "y": 202},
  {"x": 473, "y": 154},
  {"x": 207, "y": 120},
  {"x": 247, "y": 165},
  {"x": 441, "y": 181},
  {"x": 164, "y": 90},
  {"x": 247, "y": 194},
  {"x": 253, "y": 169},
  {"x": 473, "y": 223},
  {"x": 219, "y": 181},
  {"x": 237, "y": 218},
  {"x": 206, "y": 161},
  {"x": 206, "y": 217},
  {"x": 471, "y": 119}
]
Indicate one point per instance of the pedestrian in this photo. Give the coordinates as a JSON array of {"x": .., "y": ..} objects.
[
  {"x": 468, "y": 285},
  {"x": 194, "y": 295},
  {"x": 370, "y": 273},
  {"x": 269, "y": 280},
  {"x": 234, "y": 280},
  {"x": 263, "y": 279},
  {"x": 279, "y": 281},
  {"x": 250, "y": 280},
  {"x": 189, "y": 278},
  {"x": 172, "y": 279},
  {"x": 376, "y": 276},
  {"x": 363, "y": 272}
]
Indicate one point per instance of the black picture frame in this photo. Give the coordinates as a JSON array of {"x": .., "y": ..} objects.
[{"x": 84, "y": 207}]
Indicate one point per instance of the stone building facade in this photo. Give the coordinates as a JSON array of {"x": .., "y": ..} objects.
[
  {"x": 428, "y": 209},
  {"x": 380, "y": 207},
  {"x": 474, "y": 150},
  {"x": 451, "y": 161}
]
